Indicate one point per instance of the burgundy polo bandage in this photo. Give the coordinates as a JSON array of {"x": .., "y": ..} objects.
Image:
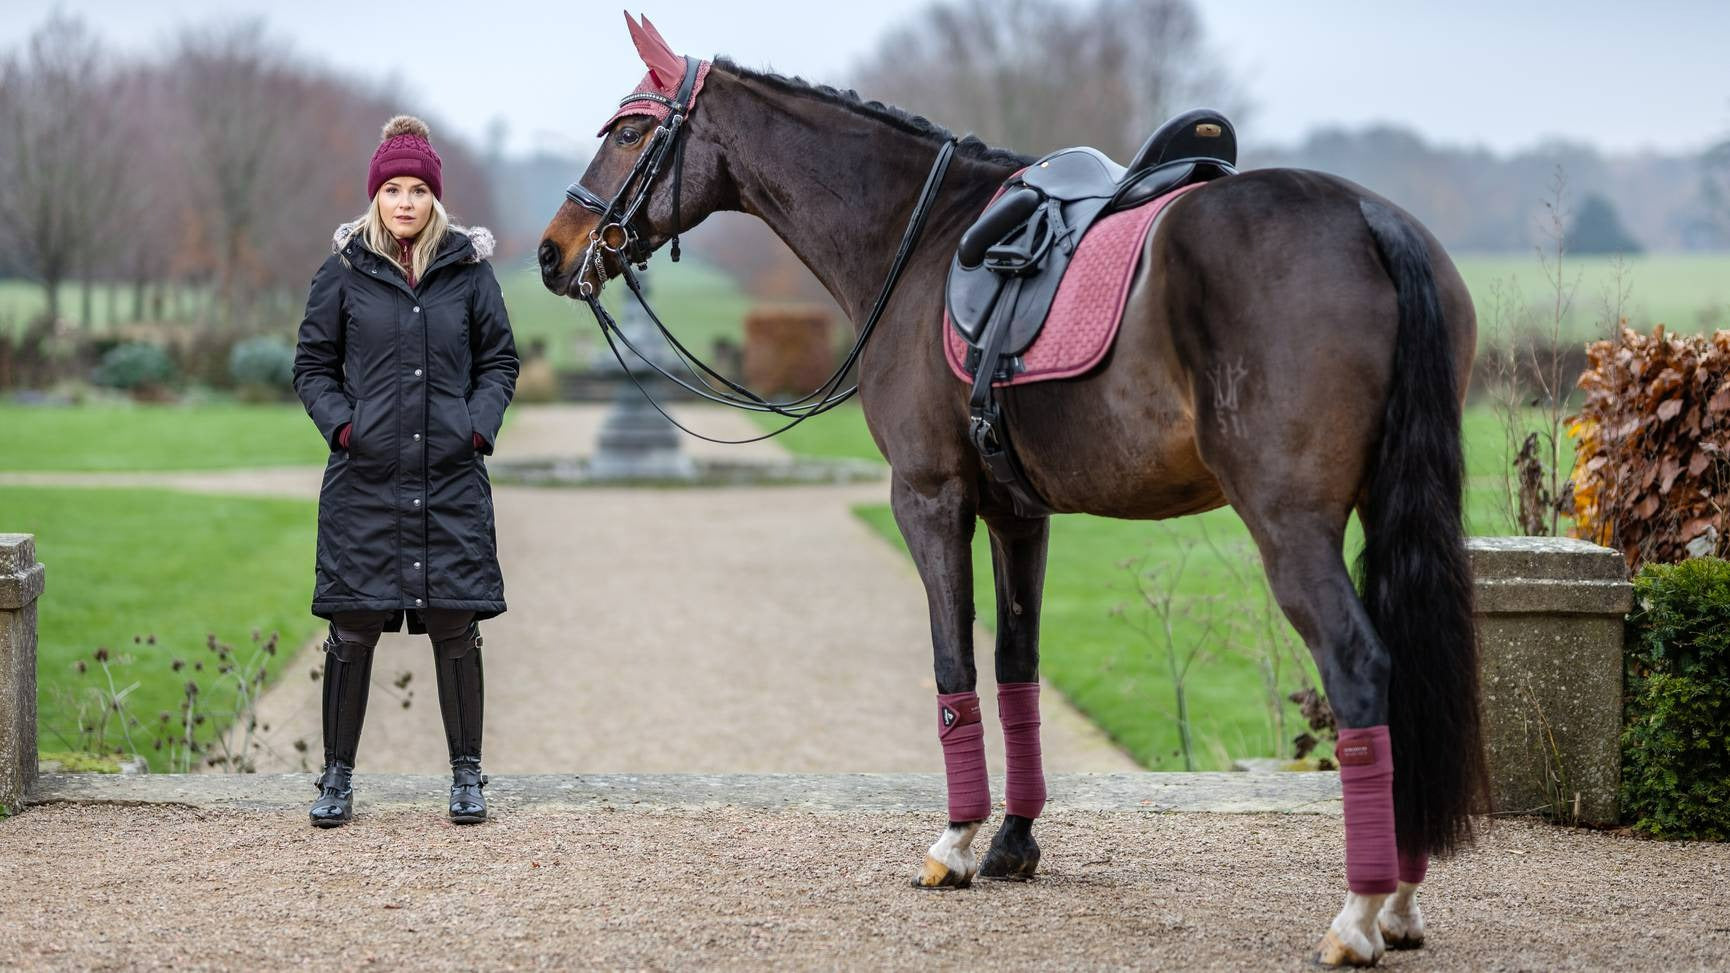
[
  {"x": 1018, "y": 711},
  {"x": 1414, "y": 866},
  {"x": 963, "y": 738},
  {"x": 1366, "y": 762}
]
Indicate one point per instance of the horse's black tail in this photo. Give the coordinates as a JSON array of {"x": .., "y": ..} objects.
[{"x": 1413, "y": 573}]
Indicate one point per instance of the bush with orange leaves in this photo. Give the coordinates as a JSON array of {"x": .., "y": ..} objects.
[{"x": 1652, "y": 464}]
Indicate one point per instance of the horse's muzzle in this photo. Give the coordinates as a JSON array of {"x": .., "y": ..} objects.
[{"x": 551, "y": 258}]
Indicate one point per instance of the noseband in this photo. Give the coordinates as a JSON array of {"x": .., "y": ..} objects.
[{"x": 615, "y": 234}]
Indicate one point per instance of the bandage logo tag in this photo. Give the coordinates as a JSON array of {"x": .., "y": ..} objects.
[
  {"x": 1356, "y": 754},
  {"x": 949, "y": 717}
]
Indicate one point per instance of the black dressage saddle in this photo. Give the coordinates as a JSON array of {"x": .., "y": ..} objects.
[{"x": 1010, "y": 261}]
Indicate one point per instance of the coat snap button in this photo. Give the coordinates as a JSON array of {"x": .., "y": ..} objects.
[
  {"x": 417, "y": 501},
  {"x": 417, "y": 373},
  {"x": 417, "y": 437},
  {"x": 418, "y": 603},
  {"x": 417, "y": 309},
  {"x": 417, "y": 565}
]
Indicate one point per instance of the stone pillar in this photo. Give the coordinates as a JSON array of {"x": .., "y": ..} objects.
[
  {"x": 20, "y": 585},
  {"x": 1549, "y": 613}
]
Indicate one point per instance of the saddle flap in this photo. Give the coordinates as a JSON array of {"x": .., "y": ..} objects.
[
  {"x": 1035, "y": 253},
  {"x": 1010, "y": 261}
]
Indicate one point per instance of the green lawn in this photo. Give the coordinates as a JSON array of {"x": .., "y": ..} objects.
[
  {"x": 839, "y": 434},
  {"x": 125, "y": 564},
  {"x": 697, "y": 302},
  {"x": 1118, "y": 675},
  {"x": 1687, "y": 293},
  {"x": 157, "y": 437}
]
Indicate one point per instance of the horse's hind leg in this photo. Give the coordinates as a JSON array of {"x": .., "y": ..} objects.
[
  {"x": 937, "y": 520},
  {"x": 1018, "y": 549},
  {"x": 1401, "y": 921},
  {"x": 1301, "y": 548}
]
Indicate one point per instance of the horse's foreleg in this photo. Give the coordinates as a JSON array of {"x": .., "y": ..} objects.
[
  {"x": 1018, "y": 550},
  {"x": 937, "y": 521}
]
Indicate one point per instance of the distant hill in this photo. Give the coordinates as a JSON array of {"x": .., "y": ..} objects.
[{"x": 1476, "y": 200}]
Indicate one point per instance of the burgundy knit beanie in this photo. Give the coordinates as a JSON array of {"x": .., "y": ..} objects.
[{"x": 403, "y": 150}]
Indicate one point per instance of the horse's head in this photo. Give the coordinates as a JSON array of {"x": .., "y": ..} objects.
[{"x": 649, "y": 180}]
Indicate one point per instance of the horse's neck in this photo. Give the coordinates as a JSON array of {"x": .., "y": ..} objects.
[{"x": 839, "y": 187}]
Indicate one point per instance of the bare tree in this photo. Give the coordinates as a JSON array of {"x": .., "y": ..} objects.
[
  {"x": 276, "y": 153},
  {"x": 60, "y": 153},
  {"x": 147, "y": 216},
  {"x": 1037, "y": 75},
  {"x": 230, "y": 90}
]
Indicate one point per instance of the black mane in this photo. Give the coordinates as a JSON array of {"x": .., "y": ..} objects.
[{"x": 890, "y": 115}]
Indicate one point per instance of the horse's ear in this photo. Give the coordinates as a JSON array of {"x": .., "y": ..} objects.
[
  {"x": 666, "y": 67},
  {"x": 655, "y": 32}
]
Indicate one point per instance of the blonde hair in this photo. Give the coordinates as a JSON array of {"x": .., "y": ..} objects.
[{"x": 379, "y": 239}]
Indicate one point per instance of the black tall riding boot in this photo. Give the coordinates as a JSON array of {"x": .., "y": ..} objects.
[
  {"x": 347, "y": 677},
  {"x": 458, "y": 662}
]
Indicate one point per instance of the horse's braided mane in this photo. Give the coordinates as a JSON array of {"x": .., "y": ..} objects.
[{"x": 906, "y": 121}]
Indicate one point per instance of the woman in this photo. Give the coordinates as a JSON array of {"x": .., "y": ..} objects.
[{"x": 406, "y": 364}]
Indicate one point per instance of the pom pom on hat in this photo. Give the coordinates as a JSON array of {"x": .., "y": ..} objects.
[{"x": 405, "y": 125}]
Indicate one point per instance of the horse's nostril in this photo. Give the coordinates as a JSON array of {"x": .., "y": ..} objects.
[{"x": 549, "y": 256}]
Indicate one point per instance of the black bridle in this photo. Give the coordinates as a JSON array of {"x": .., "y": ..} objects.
[{"x": 615, "y": 234}]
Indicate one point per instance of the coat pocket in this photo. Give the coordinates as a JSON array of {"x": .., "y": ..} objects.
[
  {"x": 450, "y": 434},
  {"x": 359, "y": 437},
  {"x": 372, "y": 441}
]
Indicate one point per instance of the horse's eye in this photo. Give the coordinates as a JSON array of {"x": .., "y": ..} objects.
[{"x": 628, "y": 136}]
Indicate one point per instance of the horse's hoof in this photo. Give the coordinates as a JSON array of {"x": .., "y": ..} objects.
[
  {"x": 1013, "y": 856},
  {"x": 1403, "y": 939},
  {"x": 936, "y": 875},
  {"x": 1003, "y": 865},
  {"x": 1334, "y": 952},
  {"x": 997, "y": 869}
]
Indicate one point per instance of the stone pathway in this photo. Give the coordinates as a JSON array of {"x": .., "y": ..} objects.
[
  {"x": 683, "y": 881},
  {"x": 656, "y": 630}
]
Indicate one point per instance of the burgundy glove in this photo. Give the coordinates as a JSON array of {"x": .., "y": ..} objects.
[
  {"x": 479, "y": 442},
  {"x": 342, "y": 434}
]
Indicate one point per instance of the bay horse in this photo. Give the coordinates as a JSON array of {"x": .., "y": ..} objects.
[{"x": 1341, "y": 326}]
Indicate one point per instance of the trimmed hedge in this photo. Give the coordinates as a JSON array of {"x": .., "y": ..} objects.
[
  {"x": 1676, "y": 716},
  {"x": 267, "y": 362},
  {"x": 133, "y": 366}
]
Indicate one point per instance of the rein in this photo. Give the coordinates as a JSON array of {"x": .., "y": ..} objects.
[{"x": 614, "y": 234}]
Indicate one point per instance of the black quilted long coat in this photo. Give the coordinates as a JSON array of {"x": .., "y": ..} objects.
[{"x": 405, "y": 515}]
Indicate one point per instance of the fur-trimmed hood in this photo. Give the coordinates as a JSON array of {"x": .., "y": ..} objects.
[{"x": 479, "y": 236}]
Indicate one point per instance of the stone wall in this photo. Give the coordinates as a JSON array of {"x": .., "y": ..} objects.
[
  {"x": 1549, "y": 613},
  {"x": 21, "y": 580}
]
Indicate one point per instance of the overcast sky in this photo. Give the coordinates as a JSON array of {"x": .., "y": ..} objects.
[{"x": 1504, "y": 74}]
